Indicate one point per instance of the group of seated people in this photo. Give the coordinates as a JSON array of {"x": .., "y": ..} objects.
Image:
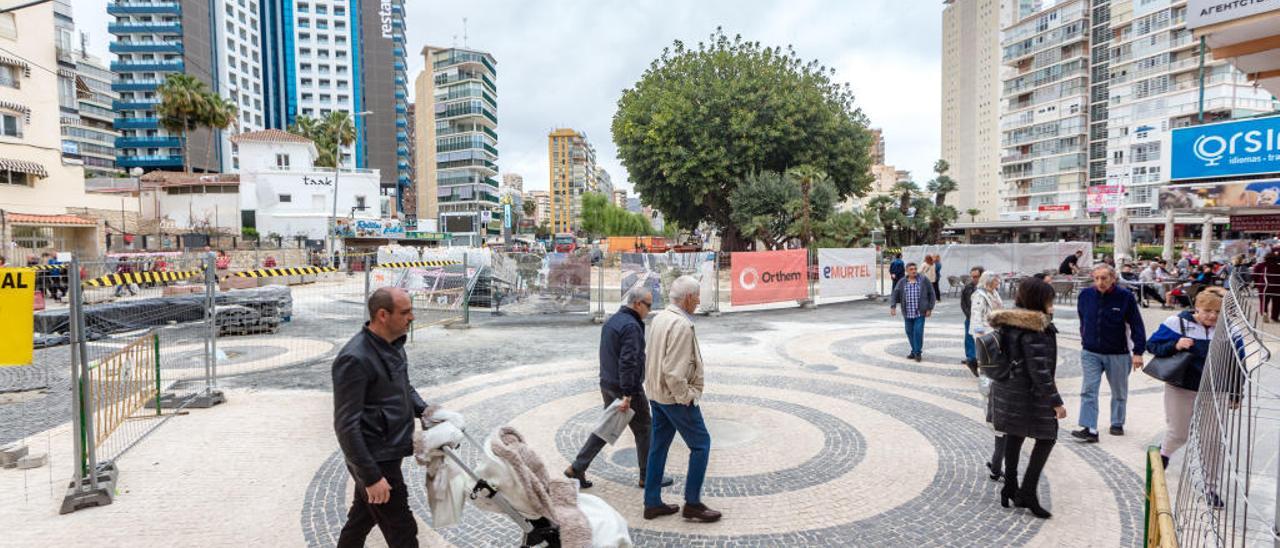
[{"x": 1184, "y": 279}]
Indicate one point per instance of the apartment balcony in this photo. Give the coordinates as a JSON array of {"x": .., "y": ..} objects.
[
  {"x": 135, "y": 85},
  {"x": 144, "y": 8},
  {"x": 146, "y": 47},
  {"x": 149, "y": 161},
  {"x": 119, "y": 105},
  {"x": 136, "y": 123},
  {"x": 147, "y": 66},
  {"x": 405, "y": 180},
  {"x": 148, "y": 142},
  {"x": 144, "y": 28}
]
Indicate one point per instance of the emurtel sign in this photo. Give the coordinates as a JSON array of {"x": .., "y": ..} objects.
[{"x": 1243, "y": 147}]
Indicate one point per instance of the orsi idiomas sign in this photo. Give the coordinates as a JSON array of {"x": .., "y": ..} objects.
[
  {"x": 769, "y": 276},
  {"x": 846, "y": 272},
  {"x": 1242, "y": 147}
]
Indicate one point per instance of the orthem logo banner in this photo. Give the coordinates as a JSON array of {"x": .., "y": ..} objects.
[
  {"x": 846, "y": 272},
  {"x": 769, "y": 277},
  {"x": 17, "y": 319}
]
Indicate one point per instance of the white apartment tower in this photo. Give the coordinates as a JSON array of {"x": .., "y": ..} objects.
[
  {"x": 971, "y": 69},
  {"x": 1154, "y": 83},
  {"x": 323, "y": 53},
  {"x": 239, "y": 74},
  {"x": 1044, "y": 113}
]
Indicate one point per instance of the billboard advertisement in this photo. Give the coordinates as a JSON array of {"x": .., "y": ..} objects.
[
  {"x": 1106, "y": 198},
  {"x": 846, "y": 272},
  {"x": 1242, "y": 147},
  {"x": 1245, "y": 194},
  {"x": 1201, "y": 13},
  {"x": 769, "y": 276}
]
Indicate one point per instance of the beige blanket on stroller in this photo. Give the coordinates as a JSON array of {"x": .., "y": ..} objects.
[{"x": 522, "y": 476}]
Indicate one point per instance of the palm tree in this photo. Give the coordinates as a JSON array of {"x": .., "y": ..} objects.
[
  {"x": 220, "y": 115},
  {"x": 337, "y": 131},
  {"x": 973, "y": 212},
  {"x": 183, "y": 104},
  {"x": 941, "y": 185},
  {"x": 904, "y": 190}
]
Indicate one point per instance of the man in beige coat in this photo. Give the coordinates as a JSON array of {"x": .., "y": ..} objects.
[{"x": 674, "y": 382}]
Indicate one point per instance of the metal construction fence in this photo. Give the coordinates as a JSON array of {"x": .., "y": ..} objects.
[{"x": 1227, "y": 484}]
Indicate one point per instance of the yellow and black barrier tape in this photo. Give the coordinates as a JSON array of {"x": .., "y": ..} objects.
[
  {"x": 275, "y": 272},
  {"x": 417, "y": 264},
  {"x": 111, "y": 280}
]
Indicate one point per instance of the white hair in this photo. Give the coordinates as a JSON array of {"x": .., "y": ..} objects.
[
  {"x": 636, "y": 294},
  {"x": 682, "y": 288},
  {"x": 987, "y": 279},
  {"x": 1104, "y": 266}
]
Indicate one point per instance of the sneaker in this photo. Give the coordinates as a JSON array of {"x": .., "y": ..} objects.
[
  {"x": 1117, "y": 430},
  {"x": 1085, "y": 435}
]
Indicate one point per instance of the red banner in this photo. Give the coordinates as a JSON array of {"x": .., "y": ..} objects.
[{"x": 769, "y": 276}]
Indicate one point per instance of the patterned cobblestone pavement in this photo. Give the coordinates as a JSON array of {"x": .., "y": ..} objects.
[{"x": 823, "y": 435}]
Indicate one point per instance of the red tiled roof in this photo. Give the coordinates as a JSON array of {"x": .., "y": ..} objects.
[
  {"x": 270, "y": 136},
  {"x": 23, "y": 218},
  {"x": 177, "y": 178}
]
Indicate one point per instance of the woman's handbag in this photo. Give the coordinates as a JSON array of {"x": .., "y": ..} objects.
[{"x": 1171, "y": 368}]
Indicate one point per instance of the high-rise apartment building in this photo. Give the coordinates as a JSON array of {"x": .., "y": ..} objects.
[
  {"x": 971, "y": 70},
  {"x": 275, "y": 60},
  {"x": 877, "y": 144},
  {"x": 1045, "y": 119},
  {"x": 456, "y": 145},
  {"x": 1154, "y": 85},
  {"x": 542, "y": 201},
  {"x": 89, "y": 135},
  {"x": 573, "y": 171},
  {"x": 513, "y": 181},
  {"x": 620, "y": 198},
  {"x": 604, "y": 182}
]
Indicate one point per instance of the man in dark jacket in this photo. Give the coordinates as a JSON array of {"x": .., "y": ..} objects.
[
  {"x": 966, "y": 304},
  {"x": 897, "y": 269},
  {"x": 622, "y": 377},
  {"x": 1114, "y": 339},
  {"x": 375, "y": 409}
]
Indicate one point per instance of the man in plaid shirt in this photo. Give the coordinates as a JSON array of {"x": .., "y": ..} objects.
[{"x": 917, "y": 298}]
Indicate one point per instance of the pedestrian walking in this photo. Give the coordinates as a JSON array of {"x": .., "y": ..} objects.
[
  {"x": 375, "y": 409},
  {"x": 915, "y": 294},
  {"x": 1266, "y": 278},
  {"x": 674, "y": 381},
  {"x": 986, "y": 300},
  {"x": 123, "y": 268},
  {"x": 930, "y": 274},
  {"x": 1191, "y": 332},
  {"x": 1027, "y": 404},
  {"x": 622, "y": 372},
  {"x": 897, "y": 269},
  {"x": 937, "y": 276},
  {"x": 1113, "y": 340},
  {"x": 966, "y": 300}
]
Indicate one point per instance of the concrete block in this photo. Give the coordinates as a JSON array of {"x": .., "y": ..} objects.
[
  {"x": 10, "y": 454},
  {"x": 33, "y": 461}
]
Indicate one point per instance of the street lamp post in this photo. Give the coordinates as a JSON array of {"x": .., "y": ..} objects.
[{"x": 337, "y": 171}]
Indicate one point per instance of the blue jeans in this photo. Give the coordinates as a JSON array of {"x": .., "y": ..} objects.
[
  {"x": 667, "y": 420},
  {"x": 1117, "y": 367},
  {"x": 915, "y": 333},
  {"x": 970, "y": 347}
]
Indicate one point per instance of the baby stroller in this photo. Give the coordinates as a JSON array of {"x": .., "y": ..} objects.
[{"x": 511, "y": 480}]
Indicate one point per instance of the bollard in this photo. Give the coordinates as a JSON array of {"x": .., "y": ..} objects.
[
  {"x": 716, "y": 272},
  {"x": 367, "y": 281}
]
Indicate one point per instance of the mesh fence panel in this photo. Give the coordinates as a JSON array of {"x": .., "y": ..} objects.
[{"x": 1227, "y": 486}]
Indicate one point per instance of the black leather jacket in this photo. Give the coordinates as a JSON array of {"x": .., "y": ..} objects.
[{"x": 374, "y": 406}]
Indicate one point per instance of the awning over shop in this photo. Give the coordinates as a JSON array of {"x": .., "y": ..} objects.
[
  {"x": 23, "y": 166},
  {"x": 47, "y": 220}
]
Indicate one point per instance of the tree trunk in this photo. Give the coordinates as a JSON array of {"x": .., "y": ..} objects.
[{"x": 186, "y": 156}]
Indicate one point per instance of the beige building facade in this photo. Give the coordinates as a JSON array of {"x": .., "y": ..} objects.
[
  {"x": 44, "y": 206},
  {"x": 971, "y": 86},
  {"x": 573, "y": 171}
]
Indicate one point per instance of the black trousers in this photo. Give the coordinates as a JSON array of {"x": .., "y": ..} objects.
[
  {"x": 1272, "y": 303},
  {"x": 1039, "y": 456},
  {"x": 393, "y": 518},
  {"x": 640, "y": 426}
]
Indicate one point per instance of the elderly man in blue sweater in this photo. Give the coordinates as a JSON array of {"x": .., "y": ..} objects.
[{"x": 1114, "y": 339}]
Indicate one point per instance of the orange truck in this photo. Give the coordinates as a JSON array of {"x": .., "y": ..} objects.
[{"x": 636, "y": 244}]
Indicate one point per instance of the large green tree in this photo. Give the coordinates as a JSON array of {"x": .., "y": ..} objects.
[
  {"x": 702, "y": 119},
  {"x": 602, "y": 218}
]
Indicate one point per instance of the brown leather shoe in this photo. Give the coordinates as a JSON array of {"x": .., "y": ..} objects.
[
  {"x": 700, "y": 512},
  {"x": 581, "y": 477},
  {"x": 659, "y": 511}
]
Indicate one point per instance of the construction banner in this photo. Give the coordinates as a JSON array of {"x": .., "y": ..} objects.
[
  {"x": 769, "y": 276},
  {"x": 846, "y": 272},
  {"x": 17, "y": 315}
]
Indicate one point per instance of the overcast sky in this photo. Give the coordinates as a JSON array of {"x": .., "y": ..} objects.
[{"x": 564, "y": 63}]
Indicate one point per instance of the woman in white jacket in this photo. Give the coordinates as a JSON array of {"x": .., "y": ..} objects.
[{"x": 986, "y": 299}]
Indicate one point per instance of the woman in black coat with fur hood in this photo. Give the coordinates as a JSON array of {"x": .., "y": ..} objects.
[{"x": 1027, "y": 403}]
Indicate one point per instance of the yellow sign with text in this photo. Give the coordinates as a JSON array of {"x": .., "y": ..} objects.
[{"x": 17, "y": 315}]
